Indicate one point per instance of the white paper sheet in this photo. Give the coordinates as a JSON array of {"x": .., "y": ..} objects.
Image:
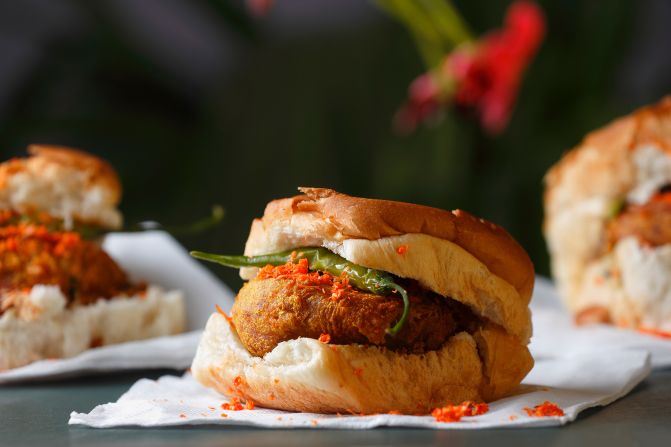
[
  {"x": 574, "y": 382},
  {"x": 157, "y": 258},
  {"x": 555, "y": 333},
  {"x": 569, "y": 371}
]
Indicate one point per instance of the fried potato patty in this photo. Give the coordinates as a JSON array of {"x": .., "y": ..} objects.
[
  {"x": 269, "y": 311},
  {"x": 31, "y": 255},
  {"x": 650, "y": 223}
]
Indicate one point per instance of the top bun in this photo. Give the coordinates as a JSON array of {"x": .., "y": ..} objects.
[
  {"x": 629, "y": 159},
  {"x": 65, "y": 183},
  {"x": 451, "y": 253}
]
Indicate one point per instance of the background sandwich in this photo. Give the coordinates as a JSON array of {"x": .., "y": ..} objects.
[
  {"x": 370, "y": 306},
  {"x": 608, "y": 222},
  {"x": 60, "y": 293}
]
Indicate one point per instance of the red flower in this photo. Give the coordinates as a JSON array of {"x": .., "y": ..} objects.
[
  {"x": 484, "y": 75},
  {"x": 424, "y": 102},
  {"x": 259, "y": 7}
]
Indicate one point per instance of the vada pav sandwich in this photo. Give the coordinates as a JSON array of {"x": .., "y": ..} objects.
[
  {"x": 608, "y": 223},
  {"x": 370, "y": 306},
  {"x": 60, "y": 293}
]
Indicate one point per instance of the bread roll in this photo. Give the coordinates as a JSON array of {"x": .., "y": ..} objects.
[
  {"x": 450, "y": 253},
  {"x": 627, "y": 161},
  {"x": 53, "y": 279},
  {"x": 65, "y": 183}
]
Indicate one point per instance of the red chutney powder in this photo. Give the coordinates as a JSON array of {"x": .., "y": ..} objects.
[
  {"x": 59, "y": 242},
  {"x": 236, "y": 405},
  {"x": 545, "y": 409},
  {"x": 228, "y": 318},
  {"x": 454, "y": 413},
  {"x": 299, "y": 272},
  {"x": 654, "y": 332},
  {"x": 340, "y": 286}
]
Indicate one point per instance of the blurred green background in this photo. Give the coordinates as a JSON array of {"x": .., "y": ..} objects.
[{"x": 197, "y": 102}]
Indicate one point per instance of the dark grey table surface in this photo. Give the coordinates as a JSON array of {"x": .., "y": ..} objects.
[{"x": 37, "y": 414}]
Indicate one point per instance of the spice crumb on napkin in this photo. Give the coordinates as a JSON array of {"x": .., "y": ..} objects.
[{"x": 570, "y": 383}]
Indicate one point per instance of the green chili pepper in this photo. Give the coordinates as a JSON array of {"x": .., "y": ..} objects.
[
  {"x": 615, "y": 207},
  {"x": 323, "y": 260}
]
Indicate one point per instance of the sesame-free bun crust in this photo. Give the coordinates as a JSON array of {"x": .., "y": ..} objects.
[
  {"x": 451, "y": 253},
  {"x": 629, "y": 159},
  {"x": 66, "y": 183},
  {"x": 307, "y": 375}
]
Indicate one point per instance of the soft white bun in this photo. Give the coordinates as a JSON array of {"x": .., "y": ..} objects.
[
  {"x": 628, "y": 159},
  {"x": 65, "y": 183},
  {"x": 452, "y": 253},
  {"x": 633, "y": 283},
  {"x": 307, "y": 375},
  {"x": 41, "y": 327}
]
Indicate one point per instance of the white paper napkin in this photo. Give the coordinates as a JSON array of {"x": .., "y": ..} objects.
[
  {"x": 157, "y": 258},
  {"x": 573, "y": 382},
  {"x": 555, "y": 333}
]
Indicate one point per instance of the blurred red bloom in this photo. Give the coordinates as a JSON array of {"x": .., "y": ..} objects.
[
  {"x": 424, "y": 102},
  {"x": 259, "y": 7},
  {"x": 484, "y": 75}
]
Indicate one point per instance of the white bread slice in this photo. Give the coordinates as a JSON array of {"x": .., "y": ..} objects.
[
  {"x": 65, "y": 183},
  {"x": 43, "y": 328}
]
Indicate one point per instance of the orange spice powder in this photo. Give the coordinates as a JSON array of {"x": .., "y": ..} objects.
[
  {"x": 545, "y": 409},
  {"x": 454, "y": 413},
  {"x": 237, "y": 405},
  {"x": 654, "y": 332},
  {"x": 299, "y": 272}
]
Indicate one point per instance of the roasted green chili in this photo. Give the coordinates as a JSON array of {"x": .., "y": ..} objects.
[
  {"x": 323, "y": 260},
  {"x": 615, "y": 207}
]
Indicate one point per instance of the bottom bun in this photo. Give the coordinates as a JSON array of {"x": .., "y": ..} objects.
[
  {"x": 629, "y": 287},
  {"x": 307, "y": 375},
  {"x": 43, "y": 328}
]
